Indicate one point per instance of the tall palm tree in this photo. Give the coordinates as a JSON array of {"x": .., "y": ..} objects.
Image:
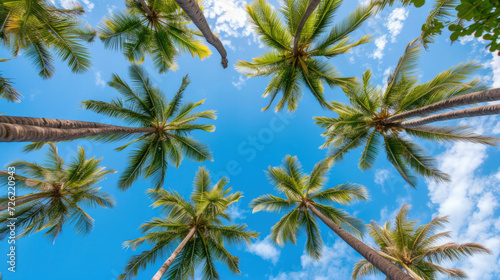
[
  {"x": 55, "y": 195},
  {"x": 159, "y": 30},
  {"x": 160, "y": 128},
  {"x": 305, "y": 64},
  {"x": 385, "y": 118},
  {"x": 305, "y": 198},
  {"x": 36, "y": 26},
  {"x": 192, "y": 9},
  {"x": 197, "y": 227},
  {"x": 417, "y": 250}
]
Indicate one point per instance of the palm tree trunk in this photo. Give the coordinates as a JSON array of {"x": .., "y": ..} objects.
[
  {"x": 310, "y": 8},
  {"x": 459, "y": 114},
  {"x": 19, "y": 129},
  {"x": 56, "y": 123},
  {"x": 382, "y": 264},
  {"x": 146, "y": 8},
  {"x": 466, "y": 99},
  {"x": 194, "y": 12},
  {"x": 172, "y": 257}
]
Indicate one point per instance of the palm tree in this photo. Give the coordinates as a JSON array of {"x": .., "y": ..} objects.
[
  {"x": 419, "y": 251},
  {"x": 36, "y": 26},
  {"x": 304, "y": 197},
  {"x": 7, "y": 91},
  {"x": 305, "y": 64},
  {"x": 198, "y": 226},
  {"x": 192, "y": 9},
  {"x": 159, "y": 128},
  {"x": 55, "y": 195},
  {"x": 159, "y": 30},
  {"x": 379, "y": 117}
]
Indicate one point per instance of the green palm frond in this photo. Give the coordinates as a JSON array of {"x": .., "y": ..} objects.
[
  {"x": 200, "y": 216},
  {"x": 420, "y": 250},
  {"x": 7, "y": 91},
  {"x": 57, "y": 192}
]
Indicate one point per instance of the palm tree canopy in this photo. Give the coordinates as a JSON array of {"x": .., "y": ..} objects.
[
  {"x": 171, "y": 123},
  {"x": 56, "y": 193},
  {"x": 307, "y": 67},
  {"x": 161, "y": 31},
  {"x": 418, "y": 250},
  {"x": 299, "y": 188},
  {"x": 206, "y": 212},
  {"x": 36, "y": 26},
  {"x": 363, "y": 121}
]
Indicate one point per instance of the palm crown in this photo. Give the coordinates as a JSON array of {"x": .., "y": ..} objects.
[
  {"x": 160, "y": 31},
  {"x": 417, "y": 250},
  {"x": 38, "y": 26},
  {"x": 299, "y": 190},
  {"x": 163, "y": 127},
  {"x": 366, "y": 121},
  {"x": 291, "y": 70},
  {"x": 200, "y": 222},
  {"x": 56, "y": 193}
]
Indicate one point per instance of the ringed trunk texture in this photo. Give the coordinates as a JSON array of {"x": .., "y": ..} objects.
[
  {"x": 172, "y": 257},
  {"x": 467, "y": 99},
  {"x": 194, "y": 12},
  {"x": 310, "y": 9},
  {"x": 382, "y": 264},
  {"x": 459, "y": 114},
  {"x": 19, "y": 129}
]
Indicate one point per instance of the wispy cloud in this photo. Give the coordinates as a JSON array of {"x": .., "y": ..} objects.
[
  {"x": 265, "y": 249},
  {"x": 98, "y": 80},
  {"x": 395, "y": 22},
  {"x": 471, "y": 200}
]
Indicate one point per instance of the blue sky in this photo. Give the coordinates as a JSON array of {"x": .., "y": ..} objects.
[{"x": 247, "y": 141}]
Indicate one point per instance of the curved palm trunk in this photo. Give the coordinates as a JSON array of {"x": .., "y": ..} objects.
[
  {"x": 20, "y": 129},
  {"x": 194, "y": 12},
  {"x": 310, "y": 9},
  {"x": 172, "y": 257},
  {"x": 382, "y": 264},
  {"x": 465, "y": 113},
  {"x": 146, "y": 8},
  {"x": 467, "y": 99}
]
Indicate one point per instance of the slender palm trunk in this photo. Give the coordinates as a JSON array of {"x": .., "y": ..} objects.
[
  {"x": 310, "y": 9},
  {"x": 146, "y": 8},
  {"x": 194, "y": 12},
  {"x": 467, "y": 99},
  {"x": 382, "y": 264},
  {"x": 172, "y": 257},
  {"x": 459, "y": 114},
  {"x": 19, "y": 129}
]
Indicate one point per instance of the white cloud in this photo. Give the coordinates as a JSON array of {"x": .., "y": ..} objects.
[
  {"x": 240, "y": 83},
  {"x": 381, "y": 175},
  {"x": 98, "y": 80},
  {"x": 111, "y": 8},
  {"x": 395, "y": 22},
  {"x": 380, "y": 43},
  {"x": 265, "y": 249},
  {"x": 236, "y": 213},
  {"x": 230, "y": 18},
  {"x": 494, "y": 64},
  {"x": 336, "y": 263},
  {"x": 471, "y": 200},
  {"x": 67, "y": 4}
]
